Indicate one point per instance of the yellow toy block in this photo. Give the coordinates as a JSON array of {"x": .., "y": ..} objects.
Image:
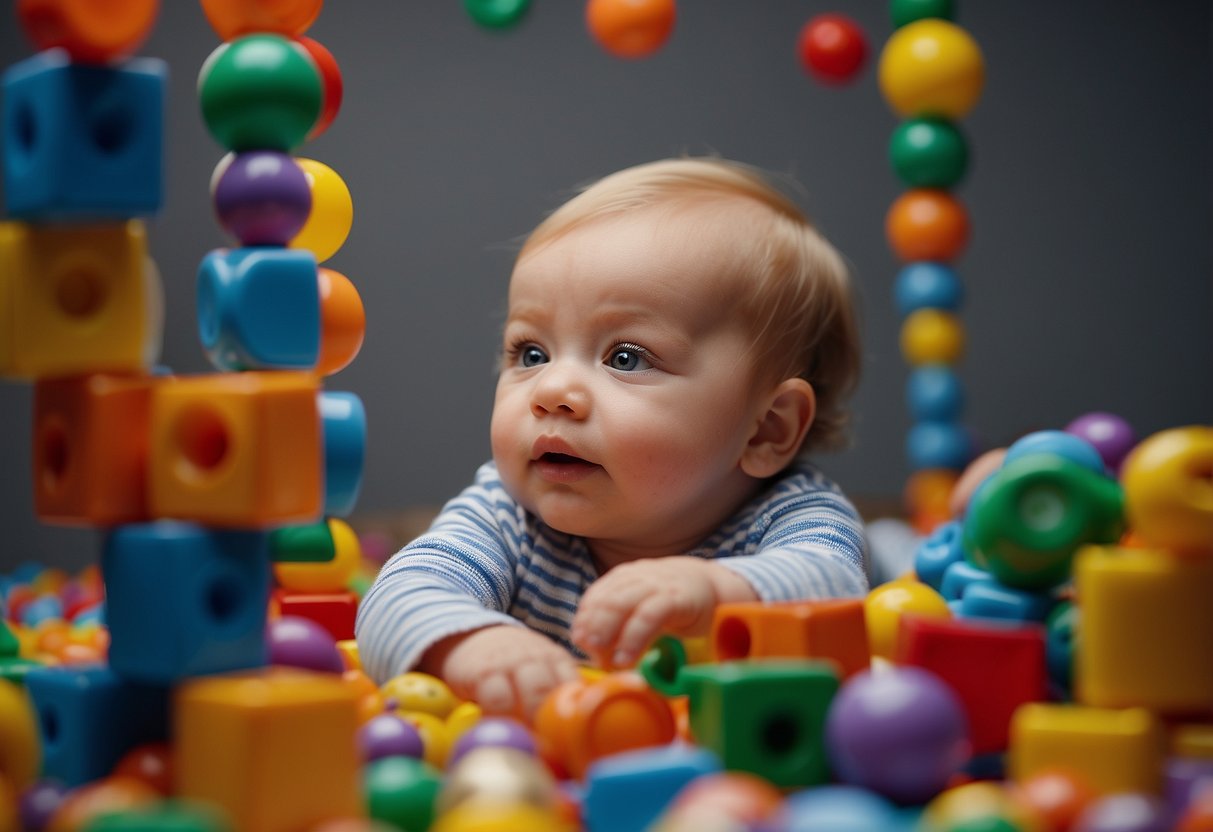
[
  {"x": 1193, "y": 741},
  {"x": 275, "y": 749},
  {"x": 349, "y": 652},
  {"x": 1147, "y": 630},
  {"x": 20, "y": 741},
  {"x": 237, "y": 449},
  {"x": 1112, "y": 750},
  {"x": 77, "y": 299}
]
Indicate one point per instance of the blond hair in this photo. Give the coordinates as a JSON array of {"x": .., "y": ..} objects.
[{"x": 795, "y": 286}]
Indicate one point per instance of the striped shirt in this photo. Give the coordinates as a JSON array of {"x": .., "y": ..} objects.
[{"x": 485, "y": 560}]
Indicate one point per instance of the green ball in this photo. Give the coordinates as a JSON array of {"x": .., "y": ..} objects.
[
  {"x": 401, "y": 791},
  {"x": 496, "y": 14},
  {"x": 929, "y": 153},
  {"x": 991, "y": 823},
  {"x": 260, "y": 92},
  {"x": 907, "y": 11}
]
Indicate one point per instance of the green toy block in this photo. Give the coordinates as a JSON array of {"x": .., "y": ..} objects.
[
  {"x": 764, "y": 717},
  {"x": 14, "y": 669},
  {"x": 166, "y": 816},
  {"x": 9, "y": 646},
  {"x": 310, "y": 543}
]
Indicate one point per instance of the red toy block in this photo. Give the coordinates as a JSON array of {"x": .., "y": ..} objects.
[
  {"x": 334, "y": 611},
  {"x": 834, "y": 630},
  {"x": 993, "y": 668}
]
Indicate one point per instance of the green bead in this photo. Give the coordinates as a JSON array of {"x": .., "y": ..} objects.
[
  {"x": 929, "y": 153},
  {"x": 662, "y": 664},
  {"x": 9, "y": 646},
  {"x": 312, "y": 543},
  {"x": 496, "y": 14},
  {"x": 907, "y": 11},
  {"x": 1026, "y": 522},
  {"x": 767, "y": 718},
  {"x": 401, "y": 791},
  {"x": 260, "y": 92},
  {"x": 992, "y": 823},
  {"x": 168, "y": 816}
]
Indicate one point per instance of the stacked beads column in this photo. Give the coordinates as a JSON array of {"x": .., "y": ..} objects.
[{"x": 931, "y": 74}]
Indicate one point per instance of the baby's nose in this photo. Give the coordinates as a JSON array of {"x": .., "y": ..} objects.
[{"x": 560, "y": 391}]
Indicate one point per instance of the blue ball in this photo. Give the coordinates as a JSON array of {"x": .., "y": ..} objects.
[
  {"x": 924, "y": 285},
  {"x": 344, "y": 422},
  {"x": 1065, "y": 445},
  {"x": 939, "y": 445},
  {"x": 836, "y": 809},
  {"x": 934, "y": 394},
  {"x": 43, "y": 609},
  {"x": 941, "y": 548}
]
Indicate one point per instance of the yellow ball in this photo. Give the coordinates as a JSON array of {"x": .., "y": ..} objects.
[
  {"x": 931, "y": 67},
  {"x": 495, "y": 817},
  {"x": 1168, "y": 485},
  {"x": 420, "y": 692},
  {"x": 435, "y": 741},
  {"x": 324, "y": 576},
  {"x": 332, "y": 211},
  {"x": 885, "y": 605},
  {"x": 932, "y": 336},
  {"x": 462, "y": 718}
]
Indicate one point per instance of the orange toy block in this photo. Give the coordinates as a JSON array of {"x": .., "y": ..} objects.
[
  {"x": 276, "y": 749},
  {"x": 834, "y": 630},
  {"x": 1147, "y": 630},
  {"x": 1113, "y": 750},
  {"x": 237, "y": 450},
  {"x": 90, "y": 449},
  {"x": 334, "y": 611},
  {"x": 77, "y": 299}
]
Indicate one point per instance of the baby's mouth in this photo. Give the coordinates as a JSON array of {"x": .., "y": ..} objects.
[{"x": 563, "y": 467}]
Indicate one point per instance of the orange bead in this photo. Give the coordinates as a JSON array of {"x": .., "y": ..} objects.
[
  {"x": 151, "y": 763},
  {"x": 929, "y": 490},
  {"x": 88, "y": 802},
  {"x": 92, "y": 31},
  {"x": 722, "y": 800},
  {"x": 927, "y": 224},
  {"x": 80, "y": 654},
  {"x": 630, "y": 28},
  {"x": 233, "y": 18},
  {"x": 1056, "y": 798},
  {"x": 342, "y": 322}
]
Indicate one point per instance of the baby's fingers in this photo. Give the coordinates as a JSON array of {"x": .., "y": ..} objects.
[
  {"x": 602, "y": 615},
  {"x": 641, "y": 628},
  {"x": 495, "y": 694}
]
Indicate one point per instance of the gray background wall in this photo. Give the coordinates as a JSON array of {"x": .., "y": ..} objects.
[{"x": 1088, "y": 274}]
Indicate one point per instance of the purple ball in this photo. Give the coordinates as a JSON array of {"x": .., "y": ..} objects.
[
  {"x": 1111, "y": 435},
  {"x": 39, "y": 802},
  {"x": 493, "y": 732},
  {"x": 301, "y": 642},
  {"x": 901, "y": 733},
  {"x": 387, "y": 735},
  {"x": 263, "y": 198},
  {"x": 1124, "y": 813}
]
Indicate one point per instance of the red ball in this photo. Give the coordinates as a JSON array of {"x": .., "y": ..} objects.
[
  {"x": 331, "y": 82},
  {"x": 833, "y": 48}
]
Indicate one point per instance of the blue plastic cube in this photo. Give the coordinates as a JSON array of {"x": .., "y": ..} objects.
[{"x": 628, "y": 792}]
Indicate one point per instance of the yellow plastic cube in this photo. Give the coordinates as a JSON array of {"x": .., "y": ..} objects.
[
  {"x": 274, "y": 749},
  {"x": 1194, "y": 740}
]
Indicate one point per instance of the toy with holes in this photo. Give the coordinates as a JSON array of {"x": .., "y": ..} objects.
[{"x": 832, "y": 630}]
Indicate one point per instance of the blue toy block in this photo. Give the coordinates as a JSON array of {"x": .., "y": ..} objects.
[
  {"x": 991, "y": 599},
  {"x": 942, "y": 547},
  {"x": 259, "y": 308},
  {"x": 958, "y": 577},
  {"x": 184, "y": 600},
  {"x": 83, "y": 141},
  {"x": 343, "y": 421},
  {"x": 90, "y": 717},
  {"x": 628, "y": 792}
]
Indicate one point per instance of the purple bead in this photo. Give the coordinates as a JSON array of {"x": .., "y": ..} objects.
[
  {"x": 39, "y": 802},
  {"x": 1124, "y": 813},
  {"x": 387, "y": 735},
  {"x": 262, "y": 198},
  {"x": 1111, "y": 435},
  {"x": 901, "y": 733},
  {"x": 493, "y": 732},
  {"x": 301, "y": 642},
  {"x": 1187, "y": 777}
]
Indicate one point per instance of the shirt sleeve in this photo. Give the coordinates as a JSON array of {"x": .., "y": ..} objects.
[
  {"x": 457, "y": 577},
  {"x": 811, "y": 545}
]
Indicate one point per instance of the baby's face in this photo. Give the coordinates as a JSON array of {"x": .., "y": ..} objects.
[{"x": 625, "y": 398}]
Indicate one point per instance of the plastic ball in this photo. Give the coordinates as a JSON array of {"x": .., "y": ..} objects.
[
  {"x": 1059, "y": 443},
  {"x": 934, "y": 393},
  {"x": 927, "y": 224},
  {"x": 887, "y": 603},
  {"x": 262, "y": 197},
  {"x": 324, "y": 576},
  {"x": 939, "y": 445},
  {"x": 630, "y": 28},
  {"x": 501, "y": 775},
  {"x": 732, "y": 797},
  {"x": 927, "y": 285},
  {"x": 232, "y": 18},
  {"x": 1125, "y": 812},
  {"x": 496, "y": 14},
  {"x": 300, "y": 642},
  {"x": 1169, "y": 489},
  {"x": 91, "y": 32},
  {"x": 342, "y": 322},
  {"x": 493, "y": 732},
  {"x": 939, "y": 550},
  {"x": 836, "y": 809},
  {"x": 901, "y": 733},
  {"x": 832, "y": 47},
  {"x": 414, "y": 691},
  {"x": 261, "y": 92},
  {"x": 1057, "y": 797},
  {"x": 331, "y": 83},
  {"x": 931, "y": 68},
  {"x": 434, "y": 735},
  {"x": 1111, "y": 435},
  {"x": 978, "y": 806},
  {"x": 401, "y": 791},
  {"x": 332, "y": 211},
  {"x": 496, "y": 817},
  {"x": 929, "y": 153},
  {"x": 907, "y": 11},
  {"x": 39, "y": 803},
  {"x": 152, "y": 763},
  {"x": 931, "y": 336},
  {"x": 387, "y": 735},
  {"x": 929, "y": 491},
  {"x": 86, "y": 803}
]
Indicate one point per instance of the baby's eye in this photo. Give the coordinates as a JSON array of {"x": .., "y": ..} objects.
[
  {"x": 530, "y": 355},
  {"x": 629, "y": 358}
]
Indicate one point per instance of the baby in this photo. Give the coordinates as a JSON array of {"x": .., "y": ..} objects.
[{"x": 678, "y": 336}]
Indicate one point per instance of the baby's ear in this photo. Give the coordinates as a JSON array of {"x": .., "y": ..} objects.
[{"x": 781, "y": 428}]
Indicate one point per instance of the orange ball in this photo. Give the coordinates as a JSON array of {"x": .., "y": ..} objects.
[
  {"x": 342, "y": 322},
  {"x": 151, "y": 763},
  {"x": 92, "y": 31},
  {"x": 927, "y": 224},
  {"x": 729, "y": 796},
  {"x": 233, "y": 18},
  {"x": 630, "y": 28},
  {"x": 88, "y": 802},
  {"x": 929, "y": 490},
  {"x": 1056, "y": 798}
]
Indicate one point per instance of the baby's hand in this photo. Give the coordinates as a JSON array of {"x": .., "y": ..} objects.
[
  {"x": 507, "y": 670},
  {"x": 626, "y": 609}
]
